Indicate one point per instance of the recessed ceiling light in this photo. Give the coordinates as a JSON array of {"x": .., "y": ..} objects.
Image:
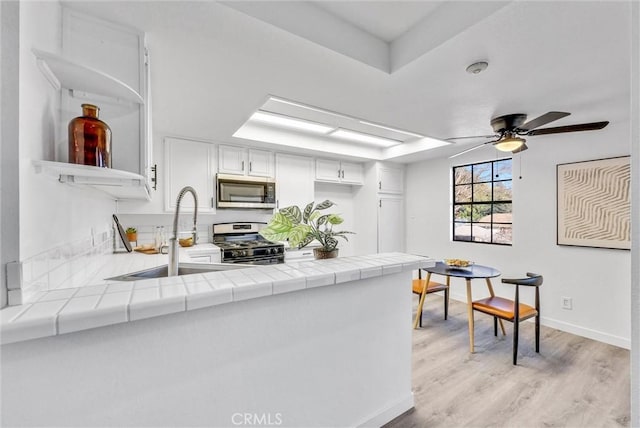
[
  {"x": 290, "y": 122},
  {"x": 364, "y": 138},
  {"x": 388, "y": 128}
]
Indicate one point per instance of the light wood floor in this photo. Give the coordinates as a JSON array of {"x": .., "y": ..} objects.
[{"x": 572, "y": 382}]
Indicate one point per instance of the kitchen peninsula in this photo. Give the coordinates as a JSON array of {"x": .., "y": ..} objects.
[{"x": 318, "y": 343}]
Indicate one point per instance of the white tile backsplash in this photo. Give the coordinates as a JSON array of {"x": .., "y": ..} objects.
[{"x": 67, "y": 265}]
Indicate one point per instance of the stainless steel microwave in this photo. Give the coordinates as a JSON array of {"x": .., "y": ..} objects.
[{"x": 239, "y": 191}]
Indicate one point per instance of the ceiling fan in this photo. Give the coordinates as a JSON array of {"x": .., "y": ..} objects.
[{"x": 510, "y": 128}]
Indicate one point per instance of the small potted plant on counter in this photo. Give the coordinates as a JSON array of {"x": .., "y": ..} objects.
[
  {"x": 303, "y": 227},
  {"x": 132, "y": 234}
]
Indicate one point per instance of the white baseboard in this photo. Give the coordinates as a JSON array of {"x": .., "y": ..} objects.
[
  {"x": 571, "y": 328},
  {"x": 389, "y": 414},
  {"x": 587, "y": 332}
]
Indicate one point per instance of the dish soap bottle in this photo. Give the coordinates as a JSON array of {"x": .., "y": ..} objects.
[{"x": 89, "y": 139}]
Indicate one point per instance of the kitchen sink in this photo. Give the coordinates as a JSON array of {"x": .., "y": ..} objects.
[{"x": 183, "y": 269}]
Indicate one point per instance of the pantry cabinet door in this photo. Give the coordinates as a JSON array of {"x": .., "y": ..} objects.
[
  {"x": 390, "y": 224},
  {"x": 190, "y": 163}
]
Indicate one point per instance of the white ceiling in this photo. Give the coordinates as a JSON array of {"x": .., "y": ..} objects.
[
  {"x": 401, "y": 64},
  {"x": 386, "y": 20}
]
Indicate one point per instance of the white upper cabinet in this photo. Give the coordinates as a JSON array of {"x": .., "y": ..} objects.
[
  {"x": 103, "y": 64},
  {"x": 190, "y": 163},
  {"x": 294, "y": 180},
  {"x": 232, "y": 159},
  {"x": 261, "y": 163},
  {"x": 390, "y": 179},
  {"x": 339, "y": 172},
  {"x": 243, "y": 161},
  {"x": 111, "y": 52},
  {"x": 352, "y": 173}
]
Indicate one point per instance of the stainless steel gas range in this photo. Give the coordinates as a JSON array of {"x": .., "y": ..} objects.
[{"x": 241, "y": 243}]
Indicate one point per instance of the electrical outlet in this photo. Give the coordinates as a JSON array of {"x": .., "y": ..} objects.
[{"x": 567, "y": 303}]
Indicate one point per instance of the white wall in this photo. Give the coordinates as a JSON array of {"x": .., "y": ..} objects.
[
  {"x": 50, "y": 213},
  {"x": 9, "y": 198},
  {"x": 597, "y": 279}
]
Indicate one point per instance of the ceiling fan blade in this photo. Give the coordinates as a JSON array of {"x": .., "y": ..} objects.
[
  {"x": 522, "y": 148},
  {"x": 472, "y": 148},
  {"x": 543, "y": 120},
  {"x": 470, "y": 136},
  {"x": 569, "y": 128}
]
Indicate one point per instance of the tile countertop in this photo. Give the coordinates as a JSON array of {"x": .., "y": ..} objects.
[{"x": 110, "y": 302}]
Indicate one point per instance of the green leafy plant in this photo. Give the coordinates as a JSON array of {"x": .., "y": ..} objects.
[
  {"x": 131, "y": 230},
  {"x": 302, "y": 227}
]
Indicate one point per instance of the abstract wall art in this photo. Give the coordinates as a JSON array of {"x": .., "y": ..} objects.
[{"x": 594, "y": 208}]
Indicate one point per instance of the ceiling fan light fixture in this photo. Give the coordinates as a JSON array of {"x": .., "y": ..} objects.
[{"x": 509, "y": 144}]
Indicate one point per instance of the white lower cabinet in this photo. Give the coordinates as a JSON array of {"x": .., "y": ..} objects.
[
  {"x": 190, "y": 163},
  {"x": 390, "y": 224},
  {"x": 294, "y": 180}
]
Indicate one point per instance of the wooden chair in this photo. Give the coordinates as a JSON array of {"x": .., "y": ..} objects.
[
  {"x": 512, "y": 310},
  {"x": 422, "y": 287}
]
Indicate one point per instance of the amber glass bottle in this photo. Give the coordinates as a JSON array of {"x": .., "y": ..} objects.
[{"x": 89, "y": 139}]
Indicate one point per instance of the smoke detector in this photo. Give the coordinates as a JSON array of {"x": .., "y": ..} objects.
[{"x": 477, "y": 67}]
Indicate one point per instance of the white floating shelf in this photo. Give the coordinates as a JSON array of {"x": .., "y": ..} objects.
[
  {"x": 120, "y": 185},
  {"x": 63, "y": 73}
]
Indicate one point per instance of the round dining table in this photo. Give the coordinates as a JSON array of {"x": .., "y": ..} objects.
[{"x": 470, "y": 272}]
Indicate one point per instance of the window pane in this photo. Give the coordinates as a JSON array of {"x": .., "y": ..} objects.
[
  {"x": 463, "y": 193},
  {"x": 462, "y": 174},
  {"x": 502, "y": 210},
  {"x": 482, "y": 192},
  {"x": 481, "y": 212},
  {"x": 502, "y": 191},
  {"x": 461, "y": 232},
  {"x": 502, "y": 233},
  {"x": 462, "y": 213},
  {"x": 482, "y": 172},
  {"x": 503, "y": 169},
  {"x": 481, "y": 232}
]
